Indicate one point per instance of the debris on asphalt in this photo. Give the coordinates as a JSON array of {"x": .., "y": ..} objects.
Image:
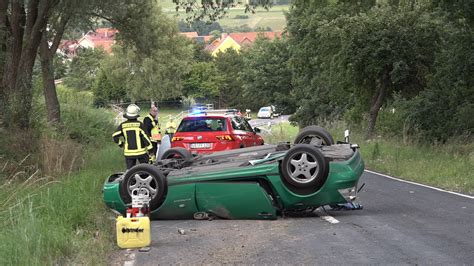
[
  {"x": 181, "y": 231},
  {"x": 144, "y": 249}
]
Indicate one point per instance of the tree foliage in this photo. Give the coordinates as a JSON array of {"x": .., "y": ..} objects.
[
  {"x": 215, "y": 9},
  {"x": 349, "y": 59},
  {"x": 229, "y": 65},
  {"x": 84, "y": 68},
  {"x": 266, "y": 75},
  {"x": 203, "y": 81},
  {"x": 201, "y": 27},
  {"x": 446, "y": 108}
]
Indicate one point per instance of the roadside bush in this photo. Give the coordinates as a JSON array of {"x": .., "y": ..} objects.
[
  {"x": 68, "y": 96},
  {"x": 86, "y": 124},
  {"x": 396, "y": 120}
]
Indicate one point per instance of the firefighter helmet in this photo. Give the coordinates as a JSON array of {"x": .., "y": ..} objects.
[{"x": 132, "y": 112}]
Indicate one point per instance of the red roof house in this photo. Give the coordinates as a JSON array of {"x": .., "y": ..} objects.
[
  {"x": 101, "y": 37},
  {"x": 239, "y": 40}
]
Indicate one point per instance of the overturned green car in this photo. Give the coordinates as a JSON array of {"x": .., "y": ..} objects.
[{"x": 250, "y": 183}]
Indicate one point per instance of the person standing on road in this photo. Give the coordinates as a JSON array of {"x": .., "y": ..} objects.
[
  {"x": 131, "y": 136},
  {"x": 152, "y": 129},
  {"x": 171, "y": 127}
]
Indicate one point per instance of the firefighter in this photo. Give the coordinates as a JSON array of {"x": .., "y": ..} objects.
[
  {"x": 131, "y": 136},
  {"x": 152, "y": 129},
  {"x": 171, "y": 127}
]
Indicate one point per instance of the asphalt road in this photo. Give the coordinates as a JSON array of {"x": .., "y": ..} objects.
[{"x": 400, "y": 223}]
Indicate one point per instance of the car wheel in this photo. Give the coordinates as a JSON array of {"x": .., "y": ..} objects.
[
  {"x": 179, "y": 153},
  {"x": 144, "y": 177},
  {"x": 314, "y": 135},
  {"x": 304, "y": 166}
]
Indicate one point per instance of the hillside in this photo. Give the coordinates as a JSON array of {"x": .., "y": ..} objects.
[{"x": 273, "y": 18}]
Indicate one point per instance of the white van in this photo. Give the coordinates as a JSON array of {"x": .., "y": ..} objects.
[{"x": 267, "y": 112}]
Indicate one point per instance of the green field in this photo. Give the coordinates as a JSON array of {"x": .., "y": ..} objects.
[{"x": 273, "y": 18}]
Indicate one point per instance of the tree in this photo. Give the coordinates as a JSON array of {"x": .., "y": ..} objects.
[
  {"x": 201, "y": 27},
  {"x": 445, "y": 108},
  {"x": 22, "y": 29},
  {"x": 311, "y": 53},
  {"x": 203, "y": 81},
  {"x": 360, "y": 56},
  {"x": 229, "y": 65},
  {"x": 385, "y": 51},
  {"x": 58, "y": 21},
  {"x": 106, "y": 92},
  {"x": 266, "y": 75},
  {"x": 21, "y": 26},
  {"x": 84, "y": 68},
  {"x": 155, "y": 68}
]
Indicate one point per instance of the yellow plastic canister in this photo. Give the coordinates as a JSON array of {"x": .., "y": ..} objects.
[{"x": 133, "y": 232}]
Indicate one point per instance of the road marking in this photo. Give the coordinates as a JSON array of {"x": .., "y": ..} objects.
[
  {"x": 323, "y": 215},
  {"x": 421, "y": 185},
  {"x": 330, "y": 219},
  {"x": 131, "y": 256}
]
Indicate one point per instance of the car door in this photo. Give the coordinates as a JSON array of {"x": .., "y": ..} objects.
[
  {"x": 253, "y": 138},
  {"x": 241, "y": 131}
]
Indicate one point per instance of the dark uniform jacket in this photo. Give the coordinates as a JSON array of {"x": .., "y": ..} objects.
[
  {"x": 131, "y": 135},
  {"x": 149, "y": 122}
]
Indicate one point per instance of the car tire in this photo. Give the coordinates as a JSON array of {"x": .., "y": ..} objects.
[
  {"x": 148, "y": 177},
  {"x": 304, "y": 167},
  {"x": 314, "y": 135},
  {"x": 178, "y": 152}
]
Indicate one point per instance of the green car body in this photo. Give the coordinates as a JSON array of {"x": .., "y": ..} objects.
[{"x": 251, "y": 191}]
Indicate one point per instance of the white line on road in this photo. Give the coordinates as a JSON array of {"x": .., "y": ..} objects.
[
  {"x": 327, "y": 218},
  {"x": 330, "y": 219},
  {"x": 421, "y": 185},
  {"x": 131, "y": 258}
]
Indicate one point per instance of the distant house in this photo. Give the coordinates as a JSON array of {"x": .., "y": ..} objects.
[
  {"x": 238, "y": 40},
  {"x": 68, "y": 48},
  {"x": 100, "y": 38},
  {"x": 247, "y": 38},
  {"x": 190, "y": 35},
  {"x": 220, "y": 45}
]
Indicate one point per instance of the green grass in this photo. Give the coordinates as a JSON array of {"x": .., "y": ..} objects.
[
  {"x": 282, "y": 132},
  {"x": 447, "y": 166},
  {"x": 62, "y": 221},
  {"x": 163, "y": 114},
  {"x": 273, "y": 18}
]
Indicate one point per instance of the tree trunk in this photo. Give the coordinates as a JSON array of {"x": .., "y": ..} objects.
[
  {"x": 377, "y": 101},
  {"x": 47, "y": 69},
  {"x": 14, "y": 31},
  {"x": 3, "y": 43},
  {"x": 49, "y": 88},
  {"x": 23, "y": 91}
]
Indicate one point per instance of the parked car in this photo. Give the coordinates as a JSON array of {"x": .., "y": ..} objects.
[
  {"x": 251, "y": 183},
  {"x": 267, "y": 112},
  {"x": 215, "y": 130}
]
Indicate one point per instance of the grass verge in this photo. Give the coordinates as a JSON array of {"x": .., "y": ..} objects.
[
  {"x": 62, "y": 221},
  {"x": 447, "y": 166}
]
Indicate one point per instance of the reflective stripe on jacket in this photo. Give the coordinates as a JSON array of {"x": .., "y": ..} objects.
[{"x": 135, "y": 141}]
